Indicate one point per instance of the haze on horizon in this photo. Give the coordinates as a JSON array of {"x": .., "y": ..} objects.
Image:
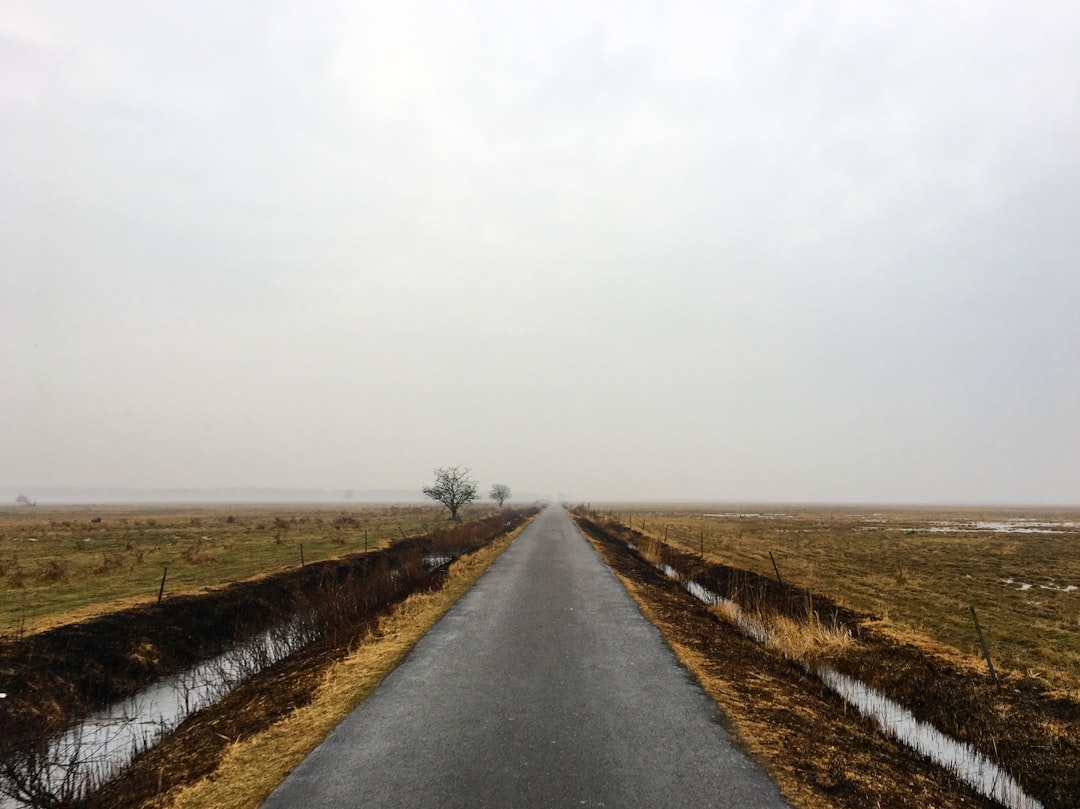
[{"x": 733, "y": 251}]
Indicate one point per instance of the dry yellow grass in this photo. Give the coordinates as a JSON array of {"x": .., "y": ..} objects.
[
  {"x": 58, "y": 566},
  {"x": 253, "y": 767},
  {"x": 800, "y": 640},
  {"x": 919, "y": 570}
]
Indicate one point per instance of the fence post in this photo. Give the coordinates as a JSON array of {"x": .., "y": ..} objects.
[
  {"x": 161, "y": 589},
  {"x": 774, "y": 567},
  {"x": 301, "y": 554},
  {"x": 985, "y": 650}
]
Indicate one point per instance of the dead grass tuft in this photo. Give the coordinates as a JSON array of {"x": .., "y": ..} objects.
[
  {"x": 199, "y": 554},
  {"x": 110, "y": 561},
  {"x": 52, "y": 571},
  {"x": 807, "y": 640}
]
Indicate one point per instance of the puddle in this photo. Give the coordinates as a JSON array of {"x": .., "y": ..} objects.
[
  {"x": 959, "y": 758},
  {"x": 1023, "y": 587},
  {"x": 733, "y": 514},
  {"x": 1019, "y": 526}
]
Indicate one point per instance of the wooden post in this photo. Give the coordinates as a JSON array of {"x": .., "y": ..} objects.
[
  {"x": 702, "y": 543},
  {"x": 365, "y": 540},
  {"x": 301, "y": 554},
  {"x": 774, "y": 567},
  {"x": 986, "y": 651},
  {"x": 161, "y": 589}
]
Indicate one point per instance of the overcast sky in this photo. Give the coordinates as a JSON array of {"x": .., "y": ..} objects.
[{"x": 727, "y": 250}]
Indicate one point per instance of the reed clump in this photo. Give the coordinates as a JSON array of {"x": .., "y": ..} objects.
[{"x": 808, "y": 640}]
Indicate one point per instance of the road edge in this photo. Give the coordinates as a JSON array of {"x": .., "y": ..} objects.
[{"x": 253, "y": 767}]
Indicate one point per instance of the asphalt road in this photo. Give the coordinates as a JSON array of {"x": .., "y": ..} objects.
[{"x": 543, "y": 687}]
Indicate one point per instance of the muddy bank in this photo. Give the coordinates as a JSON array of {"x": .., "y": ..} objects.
[
  {"x": 1031, "y": 733},
  {"x": 55, "y": 677}
]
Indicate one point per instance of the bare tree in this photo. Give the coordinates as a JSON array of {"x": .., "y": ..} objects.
[
  {"x": 453, "y": 488},
  {"x": 500, "y": 492}
]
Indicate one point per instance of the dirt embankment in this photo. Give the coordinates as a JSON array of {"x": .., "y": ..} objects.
[
  {"x": 820, "y": 750},
  {"x": 55, "y": 677}
]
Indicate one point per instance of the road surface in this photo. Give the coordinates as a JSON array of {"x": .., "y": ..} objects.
[{"x": 543, "y": 687}]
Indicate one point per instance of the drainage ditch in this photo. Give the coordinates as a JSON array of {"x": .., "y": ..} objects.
[
  {"x": 992, "y": 738},
  {"x": 154, "y": 686}
]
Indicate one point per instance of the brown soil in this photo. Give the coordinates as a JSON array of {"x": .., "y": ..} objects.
[{"x": 819, "y": 750}]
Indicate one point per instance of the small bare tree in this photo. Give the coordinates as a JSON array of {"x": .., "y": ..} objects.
[
  {"x": 500, "y": 493},
  {"x": 453, "y": 488}
]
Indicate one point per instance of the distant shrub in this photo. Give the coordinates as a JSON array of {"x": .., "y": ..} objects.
[
  {"x": 14, "y": 577},
  {"x": 109, "y": 561},
  {"x": 198, "y": 554},
  {"x": 52, "y": 571}
]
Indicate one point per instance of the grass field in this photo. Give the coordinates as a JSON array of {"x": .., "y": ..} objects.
[
  {"x": 58, "y": 564},
  {"x": 919, "y": 570}
]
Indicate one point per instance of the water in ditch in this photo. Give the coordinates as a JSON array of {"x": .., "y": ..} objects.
[
  {"x": 99, "y": 747},
  {"x": 957, "y": 757}
]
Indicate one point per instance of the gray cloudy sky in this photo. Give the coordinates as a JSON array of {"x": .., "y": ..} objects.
[{"x": 731, "y": 250}]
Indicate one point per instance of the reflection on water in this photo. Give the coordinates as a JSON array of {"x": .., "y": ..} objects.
[
  {"x": 957, "y": 757},
  {"x": 102, "y": 745}
]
